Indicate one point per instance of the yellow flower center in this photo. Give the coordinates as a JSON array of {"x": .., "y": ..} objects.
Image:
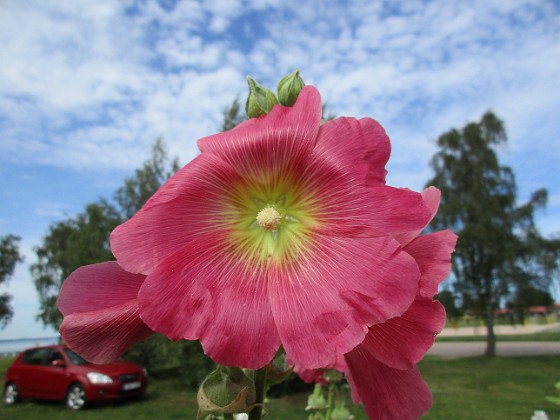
[{"x": 269, "y": 218}]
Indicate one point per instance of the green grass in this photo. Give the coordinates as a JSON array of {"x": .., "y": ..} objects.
[
  {"x": 470, "y": 388},
  {"x": 545, "y": 336},
  {"x": 498, "y": 388}
]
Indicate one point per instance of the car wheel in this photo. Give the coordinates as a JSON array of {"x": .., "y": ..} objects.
[
  {"x": 11, "y": 393},
  {"x": 76, "y": 397}
]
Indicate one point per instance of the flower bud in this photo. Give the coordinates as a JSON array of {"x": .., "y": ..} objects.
[
  {"x": 289, "y": 88},
  {"x": 278, "y": 369},
  {"x": 316, "y": 401},
  {"x": 226, "y": 390},
  {"x": 260, "y": 99},
  {"x": 340, "y": 412}
]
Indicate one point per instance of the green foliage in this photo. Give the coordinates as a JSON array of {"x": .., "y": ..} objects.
[
  {"x": 157, "y": 354},
  {"x": 448, "y": 300},
  {"x": 70, "y": 244},
  {"x": 9, "y": 257},
  {"x": 500, "y": 249},
  {"x": 183, "y": 360},
  {"x": 194, "y": 364},
  {"x": 526, "y": 296}
]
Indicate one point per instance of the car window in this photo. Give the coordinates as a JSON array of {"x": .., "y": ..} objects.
[
  {"x": 75, "y": 358},
  {"x": 55, "y": 355},
  {"x": 35, "y": 356}
]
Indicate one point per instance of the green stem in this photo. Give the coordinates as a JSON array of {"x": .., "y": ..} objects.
[
  {"x": 228, "y": 416},
  {"x": 329, "y": 401},
  {"x": 259, "y": 376}
]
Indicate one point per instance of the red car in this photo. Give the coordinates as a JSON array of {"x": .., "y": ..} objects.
[{"x": 57, "y": 373}]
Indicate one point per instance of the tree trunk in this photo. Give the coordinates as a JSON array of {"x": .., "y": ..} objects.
[{"x": 490, "y": 336}]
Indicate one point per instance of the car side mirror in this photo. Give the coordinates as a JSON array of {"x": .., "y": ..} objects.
[{"x": 58, "y": 363}]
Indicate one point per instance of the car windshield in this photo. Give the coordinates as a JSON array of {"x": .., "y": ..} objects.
[{"x": 74, "y": 358}]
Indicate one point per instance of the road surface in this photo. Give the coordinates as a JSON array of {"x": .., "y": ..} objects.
[{"x": 514, "y": 348}]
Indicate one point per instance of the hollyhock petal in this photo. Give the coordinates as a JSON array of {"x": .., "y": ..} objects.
[
  {"x": 387, "y": 393},
  {"x": 356, "y": 146},
  {"x": 323, "y": 304},
  {"x": 345, "y": 207},
  {"x": 282, "y": 137},
  {"x": 101, "y": 336},
  {"x": 431, "y": 197},
  {"x": 401, "y": 342},
  {"x": 98, "y": 286},
  {"x": 190, "y": 203},
  {"x": 204, "y": 292},
  {"x": 432, "y": 252},
  {"x": 312, "y": 375},
  {"x": 396, "y": 210}
]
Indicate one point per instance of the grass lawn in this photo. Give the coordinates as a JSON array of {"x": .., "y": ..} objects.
[
  {"x": 471, "y": 388},
  {"x": 498, "y": 388}
]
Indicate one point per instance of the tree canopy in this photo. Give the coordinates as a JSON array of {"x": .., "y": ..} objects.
[
  {"x": 69, "y": 244},
  {"x": 9, "y": 257},
  {"x": 500, "y": 249},
  {"x": 233, "y": 115}
]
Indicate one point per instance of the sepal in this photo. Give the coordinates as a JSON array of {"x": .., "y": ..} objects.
[{"x": 226, "y": 390}]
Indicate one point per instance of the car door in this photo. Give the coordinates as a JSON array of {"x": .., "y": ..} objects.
[
  {"x": 31, "y": 372},
  {"x": 55, "y": 378}
]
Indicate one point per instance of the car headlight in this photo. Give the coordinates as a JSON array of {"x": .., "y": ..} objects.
[{"x": 98, "y": 378}]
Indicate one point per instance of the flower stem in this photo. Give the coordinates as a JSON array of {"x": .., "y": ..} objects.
[
  {"x": 330, "y": 401},
  {"x": 228, "y": 416},
  {"x": 260, "y": 389}
]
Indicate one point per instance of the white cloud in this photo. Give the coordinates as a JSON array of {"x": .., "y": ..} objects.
[{"x": 91, "y": 86}]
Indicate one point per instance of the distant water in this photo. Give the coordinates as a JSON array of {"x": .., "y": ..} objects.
[{"x": 13, "y": 347}]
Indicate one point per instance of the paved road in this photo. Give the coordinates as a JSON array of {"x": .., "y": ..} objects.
[{"x": 472, "y": 349}]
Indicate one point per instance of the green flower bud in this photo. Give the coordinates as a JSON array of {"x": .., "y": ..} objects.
[
  {"x": 260, "y": 99},
  {"x": 340, "y": 412},
  {"x": 278, "y": 369},
  {"x": 226, "y": 390},
  {"x": 316, "y": 401},
  {"x": 289, "y": 88}
]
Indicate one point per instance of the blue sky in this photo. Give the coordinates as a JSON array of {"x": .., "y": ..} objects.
[{"x": 86, "y": 87}]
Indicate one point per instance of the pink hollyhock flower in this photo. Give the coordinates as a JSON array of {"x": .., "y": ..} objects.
[
  {"x": 382, "y": 370},
  {"x": 281, "y": 232},
  {"x": 100, "y": 311}
]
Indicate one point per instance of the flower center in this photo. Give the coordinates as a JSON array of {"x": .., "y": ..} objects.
[{"x": 269, "y": 218}]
